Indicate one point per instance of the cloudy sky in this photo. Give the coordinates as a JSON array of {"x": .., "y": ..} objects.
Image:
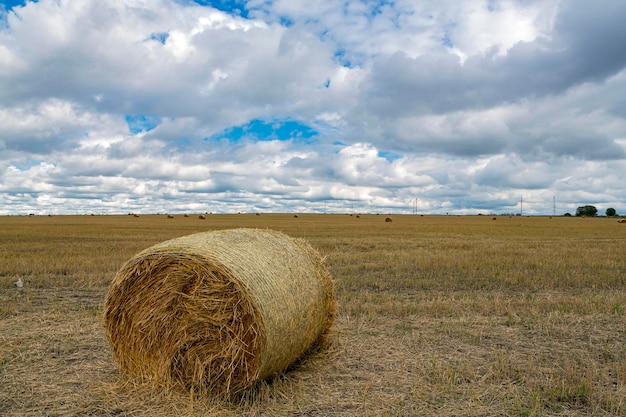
[{"x": 433, "y": 106}]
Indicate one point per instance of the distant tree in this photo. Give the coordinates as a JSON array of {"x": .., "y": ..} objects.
[
  {"x": 611, "y": 212},
  {"x": 586, "y": 211},
  {"x": 568, "y": 214}
]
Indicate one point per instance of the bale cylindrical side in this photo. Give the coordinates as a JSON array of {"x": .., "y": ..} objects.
[{"x": 218, "y": 311}]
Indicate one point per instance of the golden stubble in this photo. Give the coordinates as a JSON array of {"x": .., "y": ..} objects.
[{"x": 436, "y": 316}]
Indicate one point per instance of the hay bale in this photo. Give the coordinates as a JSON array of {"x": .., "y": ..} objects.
[
  {"x": 202, "y": 217},
  {"x": 388, "y": 220},
  {"x": 216, "y": 312}
]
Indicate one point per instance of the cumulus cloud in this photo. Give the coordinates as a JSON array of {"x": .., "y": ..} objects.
[
  {"x": 440, "y": 83},
  {"x": 286, "y": 105}
]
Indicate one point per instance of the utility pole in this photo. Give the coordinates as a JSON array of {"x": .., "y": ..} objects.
[{"x": 521, "y": 206}]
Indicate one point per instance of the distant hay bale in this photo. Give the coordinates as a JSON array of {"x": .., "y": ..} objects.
[
  {"x": 494, "y": 218},
  {"x": 622, "y": 221},
  {"x": 388, "y": 220},
  {"x": 169, "y": 216},
  {"x": 135, "y": 215},
  {"x": 202, "y": 217},
  {"x": 216, "y": 312}
]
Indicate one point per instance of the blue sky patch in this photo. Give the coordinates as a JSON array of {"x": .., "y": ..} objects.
[
  {"x": 233, "y": 7},
  {"x": 389, "y": 156},
  {"x": 141, "y": 122},
  {"x": 378, "y": 8},
  {"x": 31, "y": 163},
  {"x": 286, "y": 22},
  {"x": 262, "y": 130},
  {"x": 340, "y": 56},
  {"x": 447, "y": 41},
  {"x": 9, "y": 4},
  {"x": 5, "y": 7},
  {"x": 160, "y": 37}
]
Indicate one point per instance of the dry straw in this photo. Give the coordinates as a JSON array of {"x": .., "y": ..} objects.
[{"x": 218, "y": 311}]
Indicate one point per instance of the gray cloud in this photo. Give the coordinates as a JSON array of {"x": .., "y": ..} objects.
[
  {"x": 453, "y": 104},
  {"x": 581, "y": 50}
]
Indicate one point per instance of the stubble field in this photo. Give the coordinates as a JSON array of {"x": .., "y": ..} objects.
[{"x": 437, "y": 316}]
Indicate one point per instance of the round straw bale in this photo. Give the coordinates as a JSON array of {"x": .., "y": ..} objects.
[
  {"x": 388, "y": 220},
  {"x": 216, "y": 312}
]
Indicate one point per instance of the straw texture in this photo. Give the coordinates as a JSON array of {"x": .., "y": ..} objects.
[{"x": 218, "y": 311}]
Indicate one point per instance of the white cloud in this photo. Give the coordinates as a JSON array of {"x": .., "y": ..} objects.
[
  {"x": 460, "y": 105},
  {"x": 481, "y": 27}
]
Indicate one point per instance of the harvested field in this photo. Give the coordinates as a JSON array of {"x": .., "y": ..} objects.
[{"x": 436, "y": 316}]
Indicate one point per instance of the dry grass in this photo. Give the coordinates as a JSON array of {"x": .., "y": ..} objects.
[{"x": 437, "y": 316}]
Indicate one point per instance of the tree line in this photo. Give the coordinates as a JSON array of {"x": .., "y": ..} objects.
[{"x": 592, "y": 211}]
